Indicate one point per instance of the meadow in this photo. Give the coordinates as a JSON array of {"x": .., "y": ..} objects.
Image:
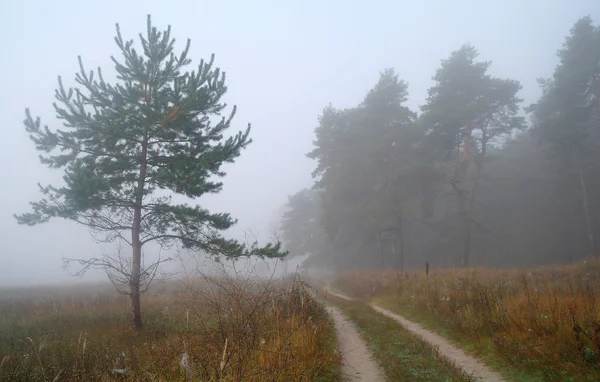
[
  {"x": 206, "y": 328},
  {"x": 535, "y": 324}
]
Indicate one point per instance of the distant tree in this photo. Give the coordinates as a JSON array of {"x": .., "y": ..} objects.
[
  {"x": 127, "y": 147},
  {"x": 355, "y": 150},
  {"x": 301, "y": 228},
  {"x": 467, "y": 111},
  {"x": 567, "y": 115},
  {"x": 341, "y": 189}
]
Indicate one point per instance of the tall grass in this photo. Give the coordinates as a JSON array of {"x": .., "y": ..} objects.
[
  {"x": 210, "y": 329},
  {"x": 543, "y": 321}
]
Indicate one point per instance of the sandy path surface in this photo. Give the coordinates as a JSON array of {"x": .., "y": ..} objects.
[
  {"x": 466, "y": 362},
  {"x": 357, "y": 360}
]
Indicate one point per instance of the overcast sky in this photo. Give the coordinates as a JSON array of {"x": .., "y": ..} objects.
[{"x": 285, "y": 61}]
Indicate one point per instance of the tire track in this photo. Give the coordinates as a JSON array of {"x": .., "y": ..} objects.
[{"x": 357, "y": 360}]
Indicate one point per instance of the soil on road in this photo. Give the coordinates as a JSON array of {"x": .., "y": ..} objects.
[{"x": 357, "y": 360}]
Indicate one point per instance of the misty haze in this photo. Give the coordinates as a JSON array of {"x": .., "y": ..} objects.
[{"x": 317, "y": 191}]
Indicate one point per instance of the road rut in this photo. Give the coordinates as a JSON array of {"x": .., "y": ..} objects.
[{"x": 357, "y": 360}]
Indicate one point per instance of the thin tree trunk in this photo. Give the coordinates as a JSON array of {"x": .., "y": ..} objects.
[
  {"x": 468, "y": 216},
  {"x": 466, "y": 254},
  {"x": 136, "y": 310},
  {"x": 585, "y": 207},
  {"x": 469, "y": 203},
  {"x": 399, "y": 247},
  {"x": 465, "y": 222},
  {"x": 381, "y": 250},
  {"x": 598, "y": 93},
  {"x": 136, "y": 244},
  {"x": 461, "y": 205}
]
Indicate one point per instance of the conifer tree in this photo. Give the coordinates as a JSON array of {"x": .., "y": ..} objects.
[
  {"x": 468, "y": 111},
  {"x": 301, "y": 228},
  {"x": 567, "y": 115},
  {"x": 127, "y": 148}
]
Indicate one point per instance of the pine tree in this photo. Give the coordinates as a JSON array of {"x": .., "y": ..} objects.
[
  {"x": 301, "y": 227},
  {"x": 126, "y": 148},
  {"x": 354, "y": 150},
  {"x": 467, "y": 111},
  {"x": 567, "y": 115}
]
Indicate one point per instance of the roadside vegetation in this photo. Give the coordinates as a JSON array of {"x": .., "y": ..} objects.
[
  {"x": 537, "y": 324},
  {"x": 205, "y": 329}
]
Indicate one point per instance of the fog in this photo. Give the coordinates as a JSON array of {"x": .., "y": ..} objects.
[{"x": 284, "y": 62}]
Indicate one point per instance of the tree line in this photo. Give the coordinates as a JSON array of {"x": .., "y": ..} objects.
[{"x": 474, "y": 178}]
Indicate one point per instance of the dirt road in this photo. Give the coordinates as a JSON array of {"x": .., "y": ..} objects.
[
  {"x": 357, "y": 360},
  {"x": 468, "y": 363}
]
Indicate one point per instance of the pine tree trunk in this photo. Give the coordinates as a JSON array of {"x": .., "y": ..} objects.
[
  {"x": 136, "y": 314},
  {"x": 136, "y": 244},
  {"x": 585, "y": 207},
  {"x": 468, "y": 216},
  {"x": 466, "y": 253},
  {"x": 136, "y": 310},
  {"x": 380, "y": 248},
  {"x": 399, "y": 247},
  {"x": 469, "y": 202},
  {"x": 465, "y": 222}
]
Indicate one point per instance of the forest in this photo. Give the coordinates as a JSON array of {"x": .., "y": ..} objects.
[{"x": 475, "y": 177}]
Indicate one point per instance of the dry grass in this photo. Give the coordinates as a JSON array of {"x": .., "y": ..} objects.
[
  {"x": 542, "y": 323},
  {"x": 210, "y": 329}
]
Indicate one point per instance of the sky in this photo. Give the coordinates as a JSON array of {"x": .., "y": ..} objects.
[{"x": 285, "y": 61}]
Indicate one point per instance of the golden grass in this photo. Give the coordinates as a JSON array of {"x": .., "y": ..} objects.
[
  {"x": 217, "y": 329},
  {"x": 543, "y": 323}
]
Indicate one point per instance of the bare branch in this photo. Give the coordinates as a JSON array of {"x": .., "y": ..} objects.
[{"x": 118, "y": 269}]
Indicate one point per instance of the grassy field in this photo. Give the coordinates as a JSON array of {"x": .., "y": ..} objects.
[
  {"x": 210, "y": 329},
  {"x": 403, "y": 356},
  {"x": 539, "y": 324}
]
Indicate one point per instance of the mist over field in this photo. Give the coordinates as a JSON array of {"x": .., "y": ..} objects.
[
  {"x": 284, "y": 64},
  {"x": 300, "y": 191}
]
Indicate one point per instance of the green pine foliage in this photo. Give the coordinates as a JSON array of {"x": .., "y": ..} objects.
[{"x": 126, "y": 148}]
